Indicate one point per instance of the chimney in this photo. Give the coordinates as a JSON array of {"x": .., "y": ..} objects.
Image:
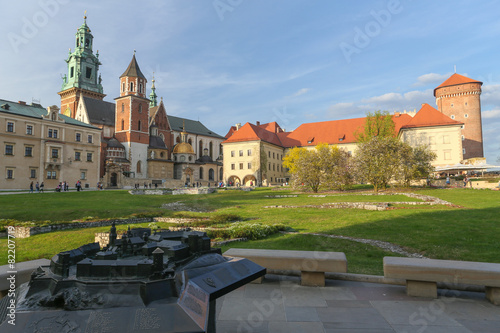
[
  {"x": 258, "y": 123},
  {"x": 238, "y": 126},
  {"x": 22, "y": 102},
  {"x": 397, "y": 114}
]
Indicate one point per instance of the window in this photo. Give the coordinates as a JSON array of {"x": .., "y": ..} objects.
[
  {"x": 9, "y": 149},
  {"x": 462, "y": 127},
  {"x": 55, "y": 134},
  {"x": 50, "y": 133},
  {"x": 211, "y": 174},
  {"x": 51, "y": 175},
  {"x": 123, "y": 106},
  {"x": 201, "y": 173},
  {"x": 269, "y": 154},
  {"x": 32, "y": 173},
  {"x": 241, "y": 166},
  {"x": 249, "y": 165},
  {"x": 123, "y": 88},
  {"x": 140, "y": 108},
  {"x": 273, "y": 155},
  {"x": 10, "y": 126},
  {"x": 10, "y": 174},
  {"x": 83, "y": 175},
  {"x": 241, "y": 152},
  {"x": 447, "y": 155},
  {"x": 232, "y": 153},
  {"x": 465, "y": 103},
  {"x": 269, "y": 166},
  {"x": 90, "y": 138},
  {"x": 55, "y": 153},
  {"x": 71, "y": 72},
  {"x": 131, "y": 86},
  {"x": 139, "y": 125},
  {"x": 78, "y": 137},
  {"x": 78, "y": 156},
  {"x": 29, "y": 130},
  {"x": 466, "y": 115},
  {"x": 28, "y": 151},
  {"x": 88, "y": 73},
  {"x": 138, "y": 167},
  {"x": 452, "y": 116},
  {"x": 232, "y": 166},
  {"x": 249, "y": 152},
  {"x": 452, "y": 105},
  {"x": 140, "y": 90},
  {"x": 123, "y": 124},
  {"x": 89, "y": 158},
  {"x": 463, "y": 138},
  {"x": 463, "y": 151},
  {"x": 446, "y": 139}
]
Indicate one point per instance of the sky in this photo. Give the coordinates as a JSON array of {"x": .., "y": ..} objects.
[{"x": 235, "y": 61}]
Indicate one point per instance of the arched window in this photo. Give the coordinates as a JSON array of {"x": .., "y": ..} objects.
[
  {"x": 140, "y": 88},
  {"x": 123, "y": 124},
  {"x": 140, "y": 108},
  {"x": 138, "y": 169},
  {"x": 190, "y": 141},
  {"x": 123, "y": 106},
  {"x": 131, "y": 86},
  {"x": 211, "y": 174},
  {"x": 123, "y": 87},
  {"x": 211, "y": 149},
  {"x": 139, "y": 125},
  {"x": 201, "y": 173},
  {"x": 178, "y": 140},
  {"x": 200, "y": 148},
  {"x": 221, "y": 173},
  {"x": 220, "y": 150}
]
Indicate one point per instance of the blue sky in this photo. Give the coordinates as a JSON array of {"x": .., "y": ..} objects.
[{"x": 291, "y": 61}]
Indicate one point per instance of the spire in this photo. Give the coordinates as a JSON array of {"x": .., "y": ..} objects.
[
  {"x": 152, "y": 97},
  {"x": 133, "y": 69},
  {"x": 183, "y": 133}
]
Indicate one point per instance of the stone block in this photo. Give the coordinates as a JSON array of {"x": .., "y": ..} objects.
[
  {"x": 312, "y": 279},
  {"x": 493, "y": 295},
  {"x": 421, "y": 289}
]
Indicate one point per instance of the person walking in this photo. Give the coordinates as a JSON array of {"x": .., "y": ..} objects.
[
  {"x": 42, "y": 185},
  {"x": 31, "y": 187},
  {"x": 37, "y": 186}
]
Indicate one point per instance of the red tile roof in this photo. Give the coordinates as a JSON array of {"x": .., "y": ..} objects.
[
  {"x": 454, "y": 80},
  {"x": 272, "y": 127},
  {"x": 251, "y": 132},
  {"x": 428, "y": 116},
  {"x": 231, "y": 132}
]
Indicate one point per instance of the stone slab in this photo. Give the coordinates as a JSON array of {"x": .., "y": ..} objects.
[
  {"x": 312, "y": 279},
  {"x": 493, "y": 295},
  {"x": 421, "y": 289}
]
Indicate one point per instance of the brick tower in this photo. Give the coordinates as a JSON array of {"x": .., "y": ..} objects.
[
  {"x": 82, "y": 78},
  {"x": 131, "y": 118},
  {"x": 459, "y": 98}
]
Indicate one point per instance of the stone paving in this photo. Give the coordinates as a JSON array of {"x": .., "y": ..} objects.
[{"x": 280, "y": 304}]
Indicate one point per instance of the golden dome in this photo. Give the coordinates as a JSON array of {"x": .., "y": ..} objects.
[{"x": 183, "y": 148}]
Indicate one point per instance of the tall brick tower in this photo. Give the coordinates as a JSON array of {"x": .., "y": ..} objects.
[
  {"x": 459, "y": 98},
  {"x": 132, "y": 116},
  {"x": 82, "y": 78}
]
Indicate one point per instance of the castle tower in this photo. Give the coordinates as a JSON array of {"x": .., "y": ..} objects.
[
  {"x": 82, "y": 78},
  {"x": 459, "y": 98},
  {"x": 132, "y": 116}
]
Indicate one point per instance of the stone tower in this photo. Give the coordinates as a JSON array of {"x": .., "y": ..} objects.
[
  {"x": 459, "y": 98},
  {"x": 132, "y": 116},
  {"x": 82, "y": 78}
]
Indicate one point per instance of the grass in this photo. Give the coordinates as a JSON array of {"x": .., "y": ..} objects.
[{"x": 469, "y": 233}]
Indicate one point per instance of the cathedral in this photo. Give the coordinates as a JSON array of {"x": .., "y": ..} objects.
[{"x": 140, "y": 143}]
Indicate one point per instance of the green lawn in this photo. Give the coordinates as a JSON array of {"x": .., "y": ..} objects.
[{"x": 469, "y": 233}]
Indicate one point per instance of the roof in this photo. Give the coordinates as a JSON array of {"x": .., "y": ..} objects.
[
  {"x": 428, "y": 116},
  {"x": 156, "y": 142},
  {"x": 133, "y": 69},
  {"x": 454, "y": 80},
  {"x": 113, "y": 143},
  {"x": 192, "y": 126},
  {"x": 36, "y": 111},
  {"x": 272, "y": 127},
  {"x": 230, "y": 132},
  {"x": 183, "y": 148},
  {"x": 100, "y": 112},
  {"x": 251, "y": 132}
]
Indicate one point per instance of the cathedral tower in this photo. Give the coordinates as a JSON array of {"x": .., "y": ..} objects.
[
  {"x": 82, "y": 78},
  {"x": 132, "y": 116},
  {"x": 459, "y": 98}
]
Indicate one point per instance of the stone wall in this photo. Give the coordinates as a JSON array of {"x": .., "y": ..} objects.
[{"x": 25, "y": 232}]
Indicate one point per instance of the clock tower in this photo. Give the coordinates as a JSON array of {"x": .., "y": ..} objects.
[{"x": 82, "y": 78}]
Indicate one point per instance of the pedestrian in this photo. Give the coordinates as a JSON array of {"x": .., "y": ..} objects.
[
  {"x": 31, "y": 187},
  {"x": 465, "y": 181},
  {"x": 42, "y": 185},
  {"x": 448, "y": 181},
  {"x": 37, "y": 186}
]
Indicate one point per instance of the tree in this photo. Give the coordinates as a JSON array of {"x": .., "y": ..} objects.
[
  {"x": 414, "y": 163},
  {"x": 377, "y": 161},
  {"x": 323, "y": 166},
  {"x": 377, "y": 124}
]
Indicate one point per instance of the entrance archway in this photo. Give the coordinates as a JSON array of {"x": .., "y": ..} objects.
[
  {"x": 114, "y": 179},
  {"x": 234, "y": 181},
  {"x": 249, "y": 180}
]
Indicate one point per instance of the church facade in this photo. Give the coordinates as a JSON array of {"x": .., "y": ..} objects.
[{"x": 140, "y": 143}]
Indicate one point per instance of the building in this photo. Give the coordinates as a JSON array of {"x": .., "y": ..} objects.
[
  {"x": 140, "y": 143},
  {"x": 253, "y": 153},
  {"x": 42, "y": 145}
]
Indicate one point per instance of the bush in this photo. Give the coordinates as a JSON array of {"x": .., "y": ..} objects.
[{"x": 246, "y": 230}]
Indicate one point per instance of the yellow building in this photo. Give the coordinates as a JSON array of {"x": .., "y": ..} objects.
[{"x": 41, "y": 145}]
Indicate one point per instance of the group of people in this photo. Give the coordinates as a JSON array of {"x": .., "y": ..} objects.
[
  {"x": 62, "y": 186},
  {"x": 138, "y": 186},
  {"x": 38, "y": 187}
]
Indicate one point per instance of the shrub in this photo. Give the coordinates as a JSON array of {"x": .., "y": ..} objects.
[{"x": 246, "y": 230}]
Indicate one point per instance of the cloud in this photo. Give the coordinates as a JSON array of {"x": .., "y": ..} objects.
[
  {"x": 431, "y": 78},
  {"x": 396, "y": 101},
  {"x": 491, "y": 95},
  {"x": 491, "y": 114},
  {"x": 300, "y": 92}
]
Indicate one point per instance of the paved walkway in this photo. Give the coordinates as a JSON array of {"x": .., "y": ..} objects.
[{"x": 280, "y": 304}]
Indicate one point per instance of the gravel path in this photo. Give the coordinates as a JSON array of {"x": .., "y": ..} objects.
[{"x": 380, "y": 244}]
